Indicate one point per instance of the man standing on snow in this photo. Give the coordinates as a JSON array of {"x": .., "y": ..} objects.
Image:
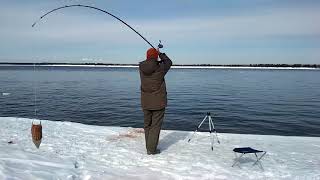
[{"x": 153, "y": 96}]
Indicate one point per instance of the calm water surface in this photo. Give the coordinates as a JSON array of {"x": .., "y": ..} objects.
[{"x": 278, "y": 102}]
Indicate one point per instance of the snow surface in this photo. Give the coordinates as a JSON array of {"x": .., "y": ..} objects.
[{"x": 78, "y": 151}]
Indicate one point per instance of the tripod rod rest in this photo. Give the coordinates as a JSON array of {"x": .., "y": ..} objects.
[{"x": 209, "y": 114}]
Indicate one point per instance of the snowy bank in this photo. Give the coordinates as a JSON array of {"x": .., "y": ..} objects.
[{"x": 77, "y": 151}]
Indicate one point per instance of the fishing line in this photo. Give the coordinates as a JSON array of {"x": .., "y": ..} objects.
[
  {"x": 104, "y": 11},
  {"x": 35, "y": 91}
]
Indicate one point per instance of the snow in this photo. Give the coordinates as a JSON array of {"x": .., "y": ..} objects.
[{"x": 77, "y": 151}]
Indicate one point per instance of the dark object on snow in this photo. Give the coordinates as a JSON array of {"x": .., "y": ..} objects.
[
  {"x": 36, "y": 132},
  {"x": 10, "y": 142},
  {"x": 247, "y": 150},
  {"x": 76, "y": 164}
]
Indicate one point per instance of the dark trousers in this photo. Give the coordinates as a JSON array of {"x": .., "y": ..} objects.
[{"x": 152, "y": 125}]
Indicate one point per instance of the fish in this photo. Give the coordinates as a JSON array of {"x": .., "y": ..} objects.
[{"x": 36, "y": 132}]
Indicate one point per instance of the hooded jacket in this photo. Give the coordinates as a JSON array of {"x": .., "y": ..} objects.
[{"x": 153, "y": 85}]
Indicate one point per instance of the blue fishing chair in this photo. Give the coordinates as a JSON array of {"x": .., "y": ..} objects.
[{"x": 247, "y": 150}]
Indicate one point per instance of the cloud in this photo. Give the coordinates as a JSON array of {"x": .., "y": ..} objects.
[
  {"x": 87, "y": 28},
  {"x": 81, "y": 29},
  {"x": 276, "y": 23}
]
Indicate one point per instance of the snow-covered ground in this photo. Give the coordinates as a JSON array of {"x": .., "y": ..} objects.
[{"x": 77, "y": 151}]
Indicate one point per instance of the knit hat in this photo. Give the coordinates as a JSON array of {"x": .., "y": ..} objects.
[{"x": 152, "y": 53}]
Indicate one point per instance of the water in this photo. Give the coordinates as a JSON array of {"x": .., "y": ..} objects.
[{"x": 277, "y": 102}]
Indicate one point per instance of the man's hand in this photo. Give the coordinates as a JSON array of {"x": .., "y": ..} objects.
[{"x": 162, "y": 55}]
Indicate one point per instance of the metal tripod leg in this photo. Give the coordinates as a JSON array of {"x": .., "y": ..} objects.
[
  {"x": 197, "y": 128},
  {"x": 210, "y": 132},
  {"x": 214, "y": 130},
  {"x": 211, "y": 129}
]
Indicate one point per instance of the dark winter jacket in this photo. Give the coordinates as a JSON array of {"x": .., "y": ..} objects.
[{"x": 153, "y": 85}]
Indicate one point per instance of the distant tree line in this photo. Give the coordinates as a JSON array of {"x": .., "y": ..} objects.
[
  {"x": 219, "y": 65},
  {"x": 256, "y": 65}
]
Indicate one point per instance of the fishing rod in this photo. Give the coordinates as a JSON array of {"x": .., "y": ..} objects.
[{"x": 104, "y": 11}]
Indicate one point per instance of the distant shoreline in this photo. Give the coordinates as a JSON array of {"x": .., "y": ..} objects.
[{"x": 180, "y": 66}]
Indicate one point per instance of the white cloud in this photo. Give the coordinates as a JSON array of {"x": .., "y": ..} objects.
[
  {"x": 96, "y": 29},
  {"x": 80, "y": 28},
  {"x": 279, "y": 22}
]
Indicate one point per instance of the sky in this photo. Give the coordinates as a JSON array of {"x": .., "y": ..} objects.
[{"x": 192, "y": 32}]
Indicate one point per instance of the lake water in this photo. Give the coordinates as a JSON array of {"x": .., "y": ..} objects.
[{"x": 277, "y": 102}]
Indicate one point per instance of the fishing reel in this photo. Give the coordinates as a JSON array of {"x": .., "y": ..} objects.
[{"x": 160, "y": 45}]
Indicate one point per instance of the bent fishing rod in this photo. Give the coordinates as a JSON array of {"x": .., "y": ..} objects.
[{"x": 98, "y": 9}]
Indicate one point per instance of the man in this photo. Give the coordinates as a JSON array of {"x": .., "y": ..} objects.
[{"x": 153, "y": 96}]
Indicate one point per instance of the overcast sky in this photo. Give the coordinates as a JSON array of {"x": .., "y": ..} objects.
[{"x": 192, "y": 32}]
